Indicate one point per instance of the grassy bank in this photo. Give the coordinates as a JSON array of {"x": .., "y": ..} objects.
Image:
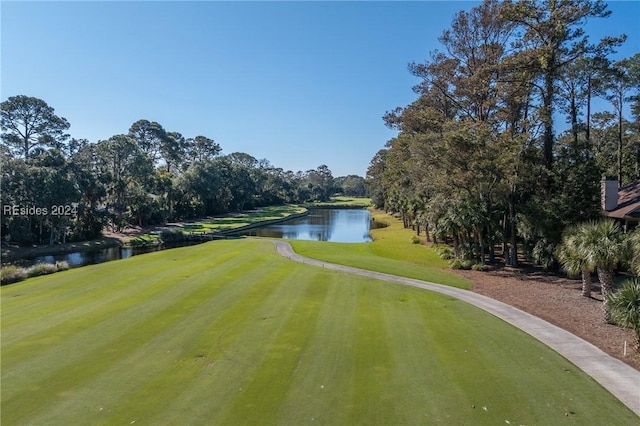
[
  {"x": 227, "y": 332},
  {"x": 391, "y": 251},
  {"x": 213, "y": 224},
  {"x": 344, "y": 202},
  {"x": 239, "y": 220}
]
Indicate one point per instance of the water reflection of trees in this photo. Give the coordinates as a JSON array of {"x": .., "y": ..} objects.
[{"x": 339, "y": 225}]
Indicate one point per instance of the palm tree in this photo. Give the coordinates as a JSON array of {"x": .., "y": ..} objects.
[
  {"x": 604, "y": 246},
  {"x": 625, "y": 306},
  {"x": 571, "y": 257}
]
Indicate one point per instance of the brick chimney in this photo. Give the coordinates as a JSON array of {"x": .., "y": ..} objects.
[{"x": 609, "y": 193}]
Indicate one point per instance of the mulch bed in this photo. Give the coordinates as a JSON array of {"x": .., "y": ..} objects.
[{"x": 557, "y": 300}]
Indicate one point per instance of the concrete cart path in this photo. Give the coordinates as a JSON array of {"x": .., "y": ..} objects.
[{"x": 614, "y": 375}]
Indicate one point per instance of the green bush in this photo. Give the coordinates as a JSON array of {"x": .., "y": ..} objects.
[
  {"x": 543, "y": 254},
  {"x": 171, "y": 235},
  {"x": 444, "y": 251},
  {"x": 624, "y": 305},
  {"x": 415, "y": 240},
  {"x": 465, "y": 251},
  {"x": 479, "y": 267},
  {"x": 458, "y": 263}
]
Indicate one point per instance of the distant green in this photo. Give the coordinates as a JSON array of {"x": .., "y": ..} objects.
[
  {"x": 230, "y": 333},
  {"x": 236, "y": 220},
  {"x": 391, "y": 252}
]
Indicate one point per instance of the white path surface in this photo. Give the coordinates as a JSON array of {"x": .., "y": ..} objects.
[{"x": 614, "y": 375}]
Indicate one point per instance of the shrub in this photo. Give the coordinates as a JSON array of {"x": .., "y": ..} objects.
[
  {"x": 455, "y": 264},
  {"x": 62, "y": 266},
  {"x": 479, "y": 267},
  {"x": 11, "y": 274},
  {"x": 624, "y": 306},
  {"x": 458, "y": 263},
  {"x": 444, "y": 251},
  {"x": 543, "y": 254},
  {"x": 42, "y": 269},
  {"x": 171, "y": 235},
  {"x": 415, "y": 240},
  {"x": 465, "y": 251}
]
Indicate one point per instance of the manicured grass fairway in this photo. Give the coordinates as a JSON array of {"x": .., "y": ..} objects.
[{"x": 228, "y": 332}]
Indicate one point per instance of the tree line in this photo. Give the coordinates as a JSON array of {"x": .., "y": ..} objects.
[
  {"x": 57, "y": 189},
  {"x": 479, "y": 159}
]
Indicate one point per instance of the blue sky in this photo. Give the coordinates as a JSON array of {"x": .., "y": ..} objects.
[{"x": 299, "y": 83}]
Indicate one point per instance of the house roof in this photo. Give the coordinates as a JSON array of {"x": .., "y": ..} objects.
[{"x": 628, "y": 203}]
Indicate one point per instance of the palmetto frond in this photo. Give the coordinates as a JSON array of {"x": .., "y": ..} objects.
[
  {"x": 571, "y": 253},
  {"x": 604, "y": 245},
  {"x": 624, "y": 306}
]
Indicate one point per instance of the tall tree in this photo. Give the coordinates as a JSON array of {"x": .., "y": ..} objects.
[
  {"x": 150, "y": 137},
  {"x": 616, "y": 87},
  {"x": 173, "y": 150},
  {"x": 29, "y": 123},
  {"x": 84, "y": 165},
  {"x": 201, "y": 149},
  {"x": 127, "y": 171},
  {"x": 552, "y": 32}
]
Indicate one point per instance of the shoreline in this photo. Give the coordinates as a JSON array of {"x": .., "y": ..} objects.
[
  {"x": 128, "y": 237},
  {"x": 13, "y": 253}
]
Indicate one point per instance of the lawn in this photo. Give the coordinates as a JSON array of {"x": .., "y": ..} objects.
[
  {"x": 238, "y": 220},
  {"x": 391, "y": 252},
  {"x": 343, "y": 201},
  {"x": 228, "y": 332}
]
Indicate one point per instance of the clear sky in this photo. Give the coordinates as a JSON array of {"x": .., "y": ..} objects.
[{"x": 299, "y": 83}]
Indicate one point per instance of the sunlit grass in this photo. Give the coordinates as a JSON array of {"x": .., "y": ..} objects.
[
  {"x": 228, "y": 332},
  {"x": 237, "y": 220},
  {"x": 391, "y": 252},
  {"x": 343, "y": 201}
]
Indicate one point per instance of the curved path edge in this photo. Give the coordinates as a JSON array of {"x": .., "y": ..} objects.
[{"x": 622, "y": 380}]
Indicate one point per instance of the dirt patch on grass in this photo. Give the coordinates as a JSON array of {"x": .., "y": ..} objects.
[{"x": 557, "y": 300}]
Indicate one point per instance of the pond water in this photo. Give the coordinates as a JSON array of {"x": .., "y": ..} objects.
[
  {"x": 337, "y": 225},
  {"x": 82, "y": 258}
]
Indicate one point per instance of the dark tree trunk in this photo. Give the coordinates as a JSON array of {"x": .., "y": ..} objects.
[
  {"x": 606, "y": 284},
  {"x": 547, "y": 117},
  {"x": 586, "y": 283},
  {"x": 512, "y": 228},
  {"x": 481, "y": 243},
  {"x": 620, "y": 147}
]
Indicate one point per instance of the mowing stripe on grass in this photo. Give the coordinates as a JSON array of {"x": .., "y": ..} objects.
[
  {"x": 281, "y": 334},
  {"x": 319, "y": 383},
  {"x": 232, "y": 361},
  {"x": 142, "y": 299},
  {"x": 153, "y": 313},
  {"x": 248, "y": 337},
  {"x": 79, "y": 291},
  {"x": 202, "y": 346}
]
